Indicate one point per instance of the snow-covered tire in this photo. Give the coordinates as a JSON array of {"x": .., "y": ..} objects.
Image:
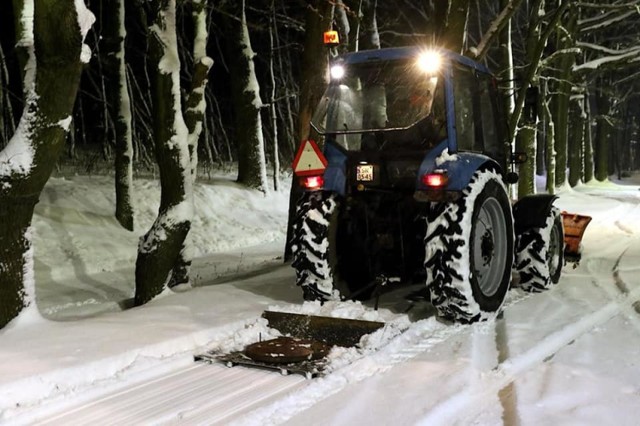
[
  {"x": 469, "y": 250},
  {"x": 540, "y": 254},
  {"x": 329, "y": 255},
  {"x": 310, "y": 246}
]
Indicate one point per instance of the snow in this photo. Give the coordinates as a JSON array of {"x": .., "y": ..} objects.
[
  {"x": 85, "y": 20},
  {"x": 566, "y": 356}
]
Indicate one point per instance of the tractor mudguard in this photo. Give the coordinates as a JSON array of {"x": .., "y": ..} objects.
[
  {"x": 460, "y": 166},
  {"x": 335, "y": 178},
  {"x": 531, "y": 211}
]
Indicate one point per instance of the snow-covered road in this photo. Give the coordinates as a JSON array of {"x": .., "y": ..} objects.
[
  {"x": 433, "y": 373},
  {"x": 570, "y": 355}
]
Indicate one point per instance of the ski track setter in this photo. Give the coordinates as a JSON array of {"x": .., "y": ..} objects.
[{"x": 404, "y": 180}]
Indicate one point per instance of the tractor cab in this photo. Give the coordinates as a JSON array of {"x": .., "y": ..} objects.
[
  {"x": 383, "y": 104},
  {"x": 386, "y": 110}
]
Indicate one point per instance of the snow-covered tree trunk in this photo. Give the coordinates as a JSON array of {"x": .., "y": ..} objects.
[
  {"x": 526, "y": 142},
  {"x": 195, "y": 108},
  {"x": 252, "y": 167},
  {"x": 160, "y": 247},
  {"x": 53, "y": 35},
  {"x": 119, "y": 105},
  {"x": 272, "y": 102}
]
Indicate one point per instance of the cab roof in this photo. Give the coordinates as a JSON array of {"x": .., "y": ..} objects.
[{"x": 408, "y": 52}]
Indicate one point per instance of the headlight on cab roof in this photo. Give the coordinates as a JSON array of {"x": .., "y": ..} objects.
[{"x": 429, "y": 61}]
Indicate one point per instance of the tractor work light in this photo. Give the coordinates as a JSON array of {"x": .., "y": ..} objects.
[
  {"x": 429, "y": 61},
  {"x": 337, "y": 72},
  {"x": 312, "y": 182},
  {"x": 437, "y": 179},
  {"x": 331, "y": 38}
]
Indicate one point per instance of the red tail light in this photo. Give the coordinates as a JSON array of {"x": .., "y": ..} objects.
[
  {"x": 437, "y": 179},
  {"x": 312, "y": 182}
]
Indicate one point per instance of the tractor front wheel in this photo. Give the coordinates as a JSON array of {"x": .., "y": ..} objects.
[{"x": 540, "y": 254}]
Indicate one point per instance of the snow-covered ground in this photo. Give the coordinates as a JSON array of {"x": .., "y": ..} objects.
[{"x": 567, "y": 356}]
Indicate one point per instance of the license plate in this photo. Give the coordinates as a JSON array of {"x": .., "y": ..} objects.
[{"x": 364, "y": 173}]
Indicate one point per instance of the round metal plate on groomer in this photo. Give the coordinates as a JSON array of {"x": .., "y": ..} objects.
[{"x": 285, "y": 350}]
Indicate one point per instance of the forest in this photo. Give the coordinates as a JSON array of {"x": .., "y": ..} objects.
[{"x": 173, "y": 89}]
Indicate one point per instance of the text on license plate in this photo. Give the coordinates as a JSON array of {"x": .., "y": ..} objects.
[{"x": 364, "y": 172}]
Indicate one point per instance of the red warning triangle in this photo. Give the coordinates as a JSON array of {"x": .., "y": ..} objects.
[{"x": 309, "y": 160}]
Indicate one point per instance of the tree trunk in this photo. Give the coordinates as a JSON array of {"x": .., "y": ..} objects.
[
  {"x": 119, "y": 105},
  {"x": 27, "y": 162},
  {"x": 603, "y": 135},
  {"x": 526, "y": 142},
  {"x": 588, "y": 141},
  {"x": 252, "y": 169},
  {"x": 369, "y": 36},
  {"x": 24, "y": 38},
  {"x": 576, "y": 142},
  {"x": 456, "y": 30},
  {"x": 526, "y": 135},
  {"x": 314, "y": 63},
  {"x": 160, "y": 247},
  {"x": 273, "y": 102},
  {"x": 194, "y": 119},
  {"x": 550, "y": 152},
  {"x": 563, "y": 92},
  {"x": 505, "y": 66}
]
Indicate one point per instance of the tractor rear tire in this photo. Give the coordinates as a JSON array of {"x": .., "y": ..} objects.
[
  {"x": 540, "y": 254},
  {"x": 469, "y": 251},
  {"x": 329, "y": 254}
]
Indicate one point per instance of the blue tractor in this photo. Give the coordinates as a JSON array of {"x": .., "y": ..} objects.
[{"x": 415, "y": 188}]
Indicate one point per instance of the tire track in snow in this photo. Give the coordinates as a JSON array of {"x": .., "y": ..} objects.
[
  {"x": 448, "y": 412},
  {"x": 212, "y": 394}
]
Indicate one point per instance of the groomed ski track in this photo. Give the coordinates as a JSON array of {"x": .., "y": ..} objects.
[{"x": 200, "y": 393}]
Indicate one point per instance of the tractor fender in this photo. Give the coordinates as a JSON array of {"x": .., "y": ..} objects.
[
  {"x": 531, "y": 211},
  {"x": 460, "y": 166},
  {"x": 335, "y": 178}
]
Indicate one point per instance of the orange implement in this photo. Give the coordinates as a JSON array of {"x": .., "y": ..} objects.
[{"x": 574, "y": 227}]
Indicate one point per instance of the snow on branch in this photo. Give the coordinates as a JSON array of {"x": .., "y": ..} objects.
[
  {"x": 631, "y": 55},
  {"x": 496, "y": 26},
  {"x": 605, "y": 21},
  {"x": 606, "y": 50},
  {"x": 85, "y": 20},
  {"x": 600, "y": 6}
]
